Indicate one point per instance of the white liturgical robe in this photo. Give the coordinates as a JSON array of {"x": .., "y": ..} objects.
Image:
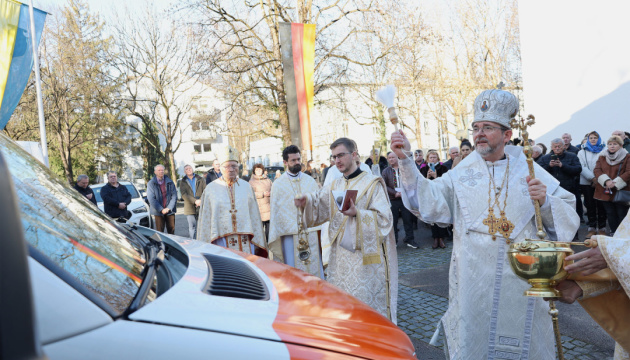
[
  {"x": 229, "y": 217},
  {"x": 488, "y": 316},
  {"x": 283, "y": 225},
  {"x": 363, "y": 259}
]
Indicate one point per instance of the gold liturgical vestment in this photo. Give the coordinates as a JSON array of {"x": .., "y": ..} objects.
[
  {"x": 608, "y": 302},
  {"x": 230, "y": 213},
  {"x": 369, "y": 271},
  {"x": 284, "y": 222}
]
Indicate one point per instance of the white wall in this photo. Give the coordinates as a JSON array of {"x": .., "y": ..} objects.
[{"x": 576, "y": 66}]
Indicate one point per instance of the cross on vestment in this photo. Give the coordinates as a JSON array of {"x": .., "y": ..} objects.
[
  {"x": 491, "y": 221},
  {"x": 233, "y": 242}
]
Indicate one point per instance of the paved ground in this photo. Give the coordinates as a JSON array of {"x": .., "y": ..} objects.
[{"x": 423, "y": 299}]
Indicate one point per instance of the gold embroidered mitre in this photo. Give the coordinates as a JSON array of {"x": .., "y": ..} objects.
[{"x": 228, "y": 154}]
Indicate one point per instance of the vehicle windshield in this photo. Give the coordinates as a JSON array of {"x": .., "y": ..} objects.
[
  {"x": 131, "y": 188},
  {"x": 72, "y": 232}
]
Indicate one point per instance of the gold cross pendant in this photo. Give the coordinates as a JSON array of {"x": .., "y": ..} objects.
[{"x": 491, "y": 221}]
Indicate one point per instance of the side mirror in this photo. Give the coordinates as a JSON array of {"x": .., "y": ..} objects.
[{"x": 143, "y": 193}]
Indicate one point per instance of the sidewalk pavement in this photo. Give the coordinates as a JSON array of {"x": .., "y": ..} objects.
[{"x": 419, "y": 311}]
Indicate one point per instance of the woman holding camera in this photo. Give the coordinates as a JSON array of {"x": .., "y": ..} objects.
[
  {"x": 433, "y": 169},
  {"x": 612, "y": 172}
]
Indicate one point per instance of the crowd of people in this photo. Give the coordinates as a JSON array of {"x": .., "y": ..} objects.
[{"x": 308, "y": 218}]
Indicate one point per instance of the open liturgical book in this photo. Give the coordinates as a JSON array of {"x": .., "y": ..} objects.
[{"x": 343, "y": 197}]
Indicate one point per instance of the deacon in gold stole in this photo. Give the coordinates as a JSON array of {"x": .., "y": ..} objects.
[
  {"x": 229, "y": 215},
  {"x": 606, "y": 295},
  {"x": 363, "y": 259},
  {"x": 488, "y": 199},
  {"x": 284, "y": 236}
]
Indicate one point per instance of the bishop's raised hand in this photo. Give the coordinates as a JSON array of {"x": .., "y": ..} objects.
[{"x": 400, "y": 143}]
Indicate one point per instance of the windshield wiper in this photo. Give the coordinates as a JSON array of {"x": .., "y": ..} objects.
[{"x": 155, "y": 258}]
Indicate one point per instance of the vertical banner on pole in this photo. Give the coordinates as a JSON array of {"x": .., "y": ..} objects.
[
  {"x": 16, "y": 53},
  {"x": 298, "y": 59}
]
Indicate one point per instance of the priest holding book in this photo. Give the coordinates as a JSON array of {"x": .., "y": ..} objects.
[{"x": 363, "y": 260}]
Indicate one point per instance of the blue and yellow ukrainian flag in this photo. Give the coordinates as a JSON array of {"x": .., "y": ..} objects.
[{"x": 16, "y": 53}]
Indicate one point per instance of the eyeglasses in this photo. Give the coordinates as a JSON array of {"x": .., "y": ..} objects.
[
  {"x": 231, "y": 167},
  {"x": 485, "y": 129},
  {"x": 338, "y": 156}
]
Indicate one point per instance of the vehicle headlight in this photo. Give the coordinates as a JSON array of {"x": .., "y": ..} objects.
[{"x": 139, "y": 210}]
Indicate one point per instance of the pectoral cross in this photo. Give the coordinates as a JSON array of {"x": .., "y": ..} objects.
[{"x": 491, "y": 221}]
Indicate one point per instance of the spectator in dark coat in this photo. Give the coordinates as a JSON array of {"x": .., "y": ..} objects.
[
  {"x": 115, "y": 197},
  {"x": 393, "y": 183},
  {"x": 432, "y": 170},
  {"x": 565, "y": 167},
  {"x": 191, "y": 188},
  {"x": 214, "y": 173},
  {"x": 566, "y": 139},
  {"x": 453, "y": 152},
  {"x": 625, "y": 137},
  {"x": 162, "y": 196},
  {"x": 83, "y": 187},
  {"x": 382, "y": 163},
  {"x": 537, "y": 153}
]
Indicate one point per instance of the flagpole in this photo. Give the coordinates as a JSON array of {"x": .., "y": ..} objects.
[{"x": 38, "y": 86}]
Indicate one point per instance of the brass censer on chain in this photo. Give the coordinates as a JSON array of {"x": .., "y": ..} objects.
[
  {"x": 304, "y": 251},
  {"x": 541, "y": 262}
]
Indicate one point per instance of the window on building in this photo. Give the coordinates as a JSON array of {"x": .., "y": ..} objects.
[
  {"x": 207, "y": 147},
  {"x": 197, "y": 148}
]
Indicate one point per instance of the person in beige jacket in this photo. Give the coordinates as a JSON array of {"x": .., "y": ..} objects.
[{"x": 261, "y": 185}]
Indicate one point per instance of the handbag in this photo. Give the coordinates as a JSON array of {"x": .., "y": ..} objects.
[{"x": 621, "y": 196}]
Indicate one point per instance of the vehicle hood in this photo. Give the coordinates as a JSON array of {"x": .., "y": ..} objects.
[{"x": 301, "y": 309}]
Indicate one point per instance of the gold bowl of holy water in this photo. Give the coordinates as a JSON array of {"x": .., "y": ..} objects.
[{"x": 540, "y": 263}]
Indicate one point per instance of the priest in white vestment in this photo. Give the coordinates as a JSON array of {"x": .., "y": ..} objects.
[
  {"x": 488, "y": 198},
  {"x": 363, "y": 260},
  {"x": 229, "y": 214},
  {"x": 332, "y": 175},
  {"x": 284, "y": 240},
  {"x": 604, "y": 291}
]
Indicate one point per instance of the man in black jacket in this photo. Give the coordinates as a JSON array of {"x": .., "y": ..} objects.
[
  {"x": 214, "y": 173},
  {"x": 191, "y": 187},
  {"x": 391, "y": 175},
  {"x": 83, "y": 187},
  {"x": 566, "y": 138},
  {"x": 564, "y": 166},
  {"x": 162, "y": 196},
  {"x": 115, "y": 197}
]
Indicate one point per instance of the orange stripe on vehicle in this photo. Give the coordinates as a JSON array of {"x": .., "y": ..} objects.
[
  {"x": 86, "y": 250},
  {"x": 314, "y": 313}
]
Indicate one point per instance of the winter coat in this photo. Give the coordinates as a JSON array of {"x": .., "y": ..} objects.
[
  {"x": 568, "y": 173},
  {"x": 112, "y": 197},
  {"x": 626, "y": 143},
  {"x": 85, "y": 192},
  {"x": 572, "y": 149},
  {"x": 603, "y": 171},
  {"x": 154, "y": 196},
  {"x": 260, "y": 185},
  {"x": 588, "y": 160},
  {"x": 388, "y": 175},
  {"x": 187, "y": 193},
  {"x": 440, "y": 169},
  {"x": 212, "y": 176}
]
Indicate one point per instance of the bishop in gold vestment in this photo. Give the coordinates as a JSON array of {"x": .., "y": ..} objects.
[
  {"x": 283, "y": 227},
  {"x": 229, "y": 214},
  {"x": 363, "y": 259}
]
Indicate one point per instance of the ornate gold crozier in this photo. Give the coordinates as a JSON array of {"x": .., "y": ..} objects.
[{"x": 539, "y": 261}]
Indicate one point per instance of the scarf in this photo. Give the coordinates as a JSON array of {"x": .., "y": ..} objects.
[
  {"x": 597, "y": 148},
  {"x": 615, "y": 158}
]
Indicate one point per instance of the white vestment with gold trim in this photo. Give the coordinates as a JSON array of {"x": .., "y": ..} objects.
[
  {"x": 608, "y": 302},
  {"x": 283, "y": 225},
  {"x": 488, "y": 317},
  {"x": 369, "y": 270},
  {"x": 229, "y": 216}
]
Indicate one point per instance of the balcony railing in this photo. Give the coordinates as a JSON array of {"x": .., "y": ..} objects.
[
  {"x": 203, "y": 158},
  {"x": 203, "y": 135}
]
